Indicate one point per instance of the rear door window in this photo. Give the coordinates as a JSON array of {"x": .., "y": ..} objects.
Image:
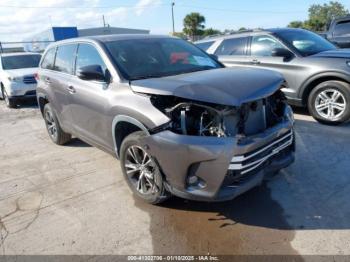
[
  {"x": 233, "y": 46},
  {"x": 65, "y": 57},
  {"x": 49, "y": 59},
  {"x": 342, "y": 29}
]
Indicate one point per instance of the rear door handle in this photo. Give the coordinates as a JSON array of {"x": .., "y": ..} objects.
[
  {"x": 71, "y": 89},
  {"x": 47, "y": 80},
  {"x": 255, "y": 61}
]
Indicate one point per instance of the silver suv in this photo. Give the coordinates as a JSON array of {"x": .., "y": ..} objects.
[
  {"x": 179, "y": 122},
  {"x": 317, "y": 73}
]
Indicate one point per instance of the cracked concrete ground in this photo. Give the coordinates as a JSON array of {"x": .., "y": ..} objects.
[{"x": 73, "y": 200}]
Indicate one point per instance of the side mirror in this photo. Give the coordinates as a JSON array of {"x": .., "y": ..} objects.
[
  {"x": 91, "y": 72},
  {"x": 282, "y": 52}
]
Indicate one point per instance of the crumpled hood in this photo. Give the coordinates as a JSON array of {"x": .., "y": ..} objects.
[
  {"x": 21, "y": 72},
  {"x": 337, "y": 53},
  {"x": 226, "y": 86}
]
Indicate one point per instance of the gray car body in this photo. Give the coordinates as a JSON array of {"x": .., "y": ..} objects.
[
  {"x": 301, "y": 73},
  {"x": 101, "y": 114}
]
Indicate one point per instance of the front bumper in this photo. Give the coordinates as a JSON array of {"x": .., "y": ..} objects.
[
  {"x": 18, "y": 90},
  {"x": 215, "y": 161}
]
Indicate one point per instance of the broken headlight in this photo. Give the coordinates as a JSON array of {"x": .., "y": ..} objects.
[{"x": 198, "y": 119}]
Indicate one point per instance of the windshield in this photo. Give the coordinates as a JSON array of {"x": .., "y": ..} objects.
[
  {"x": 157, "y": 57},
  {"x": 20, "y": 61},
  {"x": 306, "y": 42}
]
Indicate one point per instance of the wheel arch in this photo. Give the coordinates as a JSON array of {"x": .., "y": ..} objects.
[
  {"x": 42, "y": 101},
  {"x": 122, "y": 126},
  {"x": 312, "y": 82}
]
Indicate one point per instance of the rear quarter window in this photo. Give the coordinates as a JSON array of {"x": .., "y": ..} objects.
[
  {"x": 205, "y": 45},
  {"x": 233, "y": 46},
  {"x": 49, "y": 59}
]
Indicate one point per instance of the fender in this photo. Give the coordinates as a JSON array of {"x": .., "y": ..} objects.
[
  {"x": 123, "y": 118},
  {"x": 337, "y": 74}
]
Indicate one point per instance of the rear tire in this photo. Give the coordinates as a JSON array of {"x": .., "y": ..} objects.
[
  {"x": 57, "y": 135},
  {"x": 145, "y": 180},
  {"x": 329, "y": 102}
]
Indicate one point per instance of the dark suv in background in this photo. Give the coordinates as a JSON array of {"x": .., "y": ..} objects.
[
  {"x": 339, "y": 32},
  {"x": 178, "y": 120},
  {"x": 317, "y": 73}
]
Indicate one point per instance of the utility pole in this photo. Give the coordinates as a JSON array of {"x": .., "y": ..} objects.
[
  {"x": 103, "y": 19},
  {"x": 172, "y": 15}
]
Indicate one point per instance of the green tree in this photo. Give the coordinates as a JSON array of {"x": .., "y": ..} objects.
[
  {"x": 211, "y": 31},
  {"x": 179, "y": 34},
  {"x": 242, "y": 29},
  {"x": 194, "y": 25},
  {"x": 320, "y": 16},
  {"x": 296, "y": 24}
]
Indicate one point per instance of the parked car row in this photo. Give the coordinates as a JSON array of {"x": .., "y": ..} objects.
[{"x": 317, "y": 73}]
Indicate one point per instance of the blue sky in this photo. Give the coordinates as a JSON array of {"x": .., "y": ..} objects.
[{"x": 18, "y": 18}]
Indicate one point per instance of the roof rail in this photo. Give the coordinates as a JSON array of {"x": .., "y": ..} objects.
[
  {"x": 234, "y": 32},
  {"x": 247, "y": 31},
  {"x": 210, "y": 36}
]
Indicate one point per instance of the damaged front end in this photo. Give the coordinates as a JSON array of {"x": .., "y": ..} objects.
[
  {"x": 214, "y": 152},
  {"x": 195, "y": 118}
]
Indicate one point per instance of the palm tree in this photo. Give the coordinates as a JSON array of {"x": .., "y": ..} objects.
[{"x": 194, "y": 25}]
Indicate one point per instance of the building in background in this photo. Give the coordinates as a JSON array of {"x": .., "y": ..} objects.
[
  {"x": 38, "y": 42},
  {"x": 110, "y": 31}
]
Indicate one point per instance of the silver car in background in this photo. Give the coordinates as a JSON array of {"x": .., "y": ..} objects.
[
  {"x": 179, "y": 122},
  {"x": 317, "y": 73}
]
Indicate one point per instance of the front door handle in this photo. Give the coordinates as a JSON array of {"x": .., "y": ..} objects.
[
  {"x": 255, "y": 61},
  {"x": 47, "y": 80},
  {"x": 71, "y": 89}
]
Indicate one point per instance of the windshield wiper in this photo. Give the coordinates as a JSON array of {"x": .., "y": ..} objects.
[
  {"x": 145, "y": 77},
  {"x": 202, "y": 68}
]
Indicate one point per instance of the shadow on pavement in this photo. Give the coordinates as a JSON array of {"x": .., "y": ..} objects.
[{"x": 312, "y": 194}]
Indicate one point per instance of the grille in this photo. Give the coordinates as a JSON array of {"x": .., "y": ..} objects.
[
  {"x": 235, "y": 177},
  {"x": 29, "y": 80},
  {"x": 30, "y": 93},
  {"x": 255, "y": 159}
]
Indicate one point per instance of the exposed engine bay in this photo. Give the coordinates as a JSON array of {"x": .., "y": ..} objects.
[{"x": 205, "y": 119}]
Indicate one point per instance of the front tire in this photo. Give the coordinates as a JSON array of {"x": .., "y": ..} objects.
[
  {"x": 10, "y": 102},
  {"x": 57, "y": 135},
  {"x": 141, "y": 171},
  {"x": 329, "y": 102}
]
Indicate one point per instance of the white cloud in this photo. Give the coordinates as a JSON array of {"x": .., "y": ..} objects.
[
  {"x": 143, "y": 4},
  {"x": 17, "y": 24}
]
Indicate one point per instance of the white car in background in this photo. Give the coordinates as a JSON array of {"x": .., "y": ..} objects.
[{"x": 17, "y": 76}]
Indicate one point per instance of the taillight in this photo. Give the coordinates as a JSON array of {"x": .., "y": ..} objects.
[{"x": 36, "y": 76}]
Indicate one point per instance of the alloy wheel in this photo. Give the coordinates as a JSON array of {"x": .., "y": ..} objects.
[
  {"x": 51, "y": 124},
  {"x": 141, "y": 169},
  {"x": 330, "y": 104}
]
